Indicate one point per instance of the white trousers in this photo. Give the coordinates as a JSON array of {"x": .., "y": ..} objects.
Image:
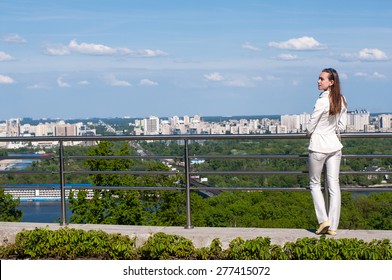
[{"x": 332, "y": 164}]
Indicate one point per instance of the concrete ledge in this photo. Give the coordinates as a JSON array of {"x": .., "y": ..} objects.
[{"x": 200, "y": 236}]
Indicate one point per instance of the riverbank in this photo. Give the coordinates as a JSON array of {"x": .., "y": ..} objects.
[{"x": 6, "y": 163}]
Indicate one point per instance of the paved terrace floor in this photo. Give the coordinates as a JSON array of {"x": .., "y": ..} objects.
[{"x": 200, "y": 236}]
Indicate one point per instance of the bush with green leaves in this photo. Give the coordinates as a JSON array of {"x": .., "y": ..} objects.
[
  {"x": 67, "y": 243},
  {"x": 71, "y": 244},
  {"x": 161, "y": 246},
  {"x": 259, "y": 248},
  {"x": 338, "y": 249}
]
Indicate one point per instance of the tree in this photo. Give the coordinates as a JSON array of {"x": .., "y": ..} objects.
[
  {"x": 108, "y": 206},
  {"x": 127, "y": 207},
  {"x": 8, "y": 205}
]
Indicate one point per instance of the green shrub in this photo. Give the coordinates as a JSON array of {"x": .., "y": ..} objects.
[
  {"x": 161, "y": 246},
  {"x": 259, "y": 248},
  {"x": 338, "y": 249},
  {"x": 213, "y": 252},
  {"x": 67, "y": 243}
]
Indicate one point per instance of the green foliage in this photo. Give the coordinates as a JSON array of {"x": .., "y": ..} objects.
[
  {"x": 338, "y": 249},
  {"x": 127, "y": 207},
  {"x": 212, "y": 252},
  {"x": 108, "y": 206},
  {"x": 162, "y": 246},
  {"x": 69, "y": 244},
  {"x": 257, "y": 209},
  {"x": 105, "y": 148},
  {"x": 259, "y": 248},
  {"x": 8, "y": 208}
]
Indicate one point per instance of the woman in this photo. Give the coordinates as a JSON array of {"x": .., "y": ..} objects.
[{"x": 328, "y": 118}]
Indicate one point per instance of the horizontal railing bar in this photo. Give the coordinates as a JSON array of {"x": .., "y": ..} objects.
[
  {"x": 185, "y": 137},
  {"x": 250, "y": 156},
  {"x": 365, "y": 172},
  {"x": 275, "y": 156},
  {"x": 350, "y": 189},
  {"x": 140, "y": 172},
  {"x": 277, "y": 172},
  {"x": 123, "y": 157},
  {"x": 21, "y": 172},
  {"x": 138, "y": 188},
  {"x": 233, "y": 172},
  {"x": 246, "y": 156},
  {"x": 359, "y": 189},
  {"x": 27, "y": 157},
  {"x": 368, "y": 156}
]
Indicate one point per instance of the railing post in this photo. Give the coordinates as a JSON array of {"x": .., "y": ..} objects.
[
  {"x": 187, "y": 186},
  {"x": 62, "y": 184}
]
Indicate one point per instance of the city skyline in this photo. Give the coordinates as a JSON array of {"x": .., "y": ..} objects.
[{"x": 73, "y": 59}]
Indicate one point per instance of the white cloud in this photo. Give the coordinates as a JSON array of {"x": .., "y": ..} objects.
[
  {"x": 61, "y": 83},
  {"x": 360, "y": 74},
  {"x": 57, "y": 50},
  {"x": 215, "y": 76},
  {"x": 147, "y": 82},
  {"x": 14, "y": 38},
  {"x": 97, "y": 49},
  {"x": 287, "y": 56},
  {"x": 234, "y": 80},
  {"x": 118, "y": 83},
  {"x": 6, "y": 79},
  {"x": 5, "y": 56},
  {"x": 37, "y": 86},
  {"x": 298, "y": 44},
  {"x": 365, "y": 55},
  {"x": 378, "y": 75},
  {"x": 248, "y": 46},
  {"x": 113, "y": 81},
  {"x": 84, "y": 83},
  {"x": 372, "y": 55},
  {"x": 375, "y": 75},
  {"x": 148, "y": 53},
  {"x": 257, "y": 78}
]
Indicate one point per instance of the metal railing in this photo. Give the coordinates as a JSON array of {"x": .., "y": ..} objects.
[{"x": 186, "y": 170}]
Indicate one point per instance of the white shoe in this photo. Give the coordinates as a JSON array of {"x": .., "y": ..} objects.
[{"x": 323, "y": 228}]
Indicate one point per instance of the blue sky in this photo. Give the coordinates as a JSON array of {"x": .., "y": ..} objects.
[{"x": 81, "y": 59}]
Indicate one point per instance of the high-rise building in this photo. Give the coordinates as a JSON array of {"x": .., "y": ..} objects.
[
  {"x": 174, "y": 120},
  {"x": 151, "y": 126},
  {"x": 196, "y": 119},
  {"x": 187, "y": 120},
  {"x": 13, "y": 127},
  {"x": 385, "y": 122},
  {"x": 295, "y": 123},
  {"x": 166, "y": 128},
  {"x": 357, "y": 120},
  {"x": 65, "y": 130}
]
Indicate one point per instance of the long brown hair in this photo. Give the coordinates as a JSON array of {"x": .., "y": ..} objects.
[{"x": 335, "y": 97}]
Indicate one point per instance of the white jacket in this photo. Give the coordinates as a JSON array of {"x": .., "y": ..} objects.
[{"x": 322, "y": 127}]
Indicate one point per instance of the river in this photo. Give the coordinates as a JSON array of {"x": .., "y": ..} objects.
[{"x": 42, "y": 211}]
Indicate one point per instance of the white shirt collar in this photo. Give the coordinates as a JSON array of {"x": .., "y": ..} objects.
[{"x": 324, "y": 93}]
